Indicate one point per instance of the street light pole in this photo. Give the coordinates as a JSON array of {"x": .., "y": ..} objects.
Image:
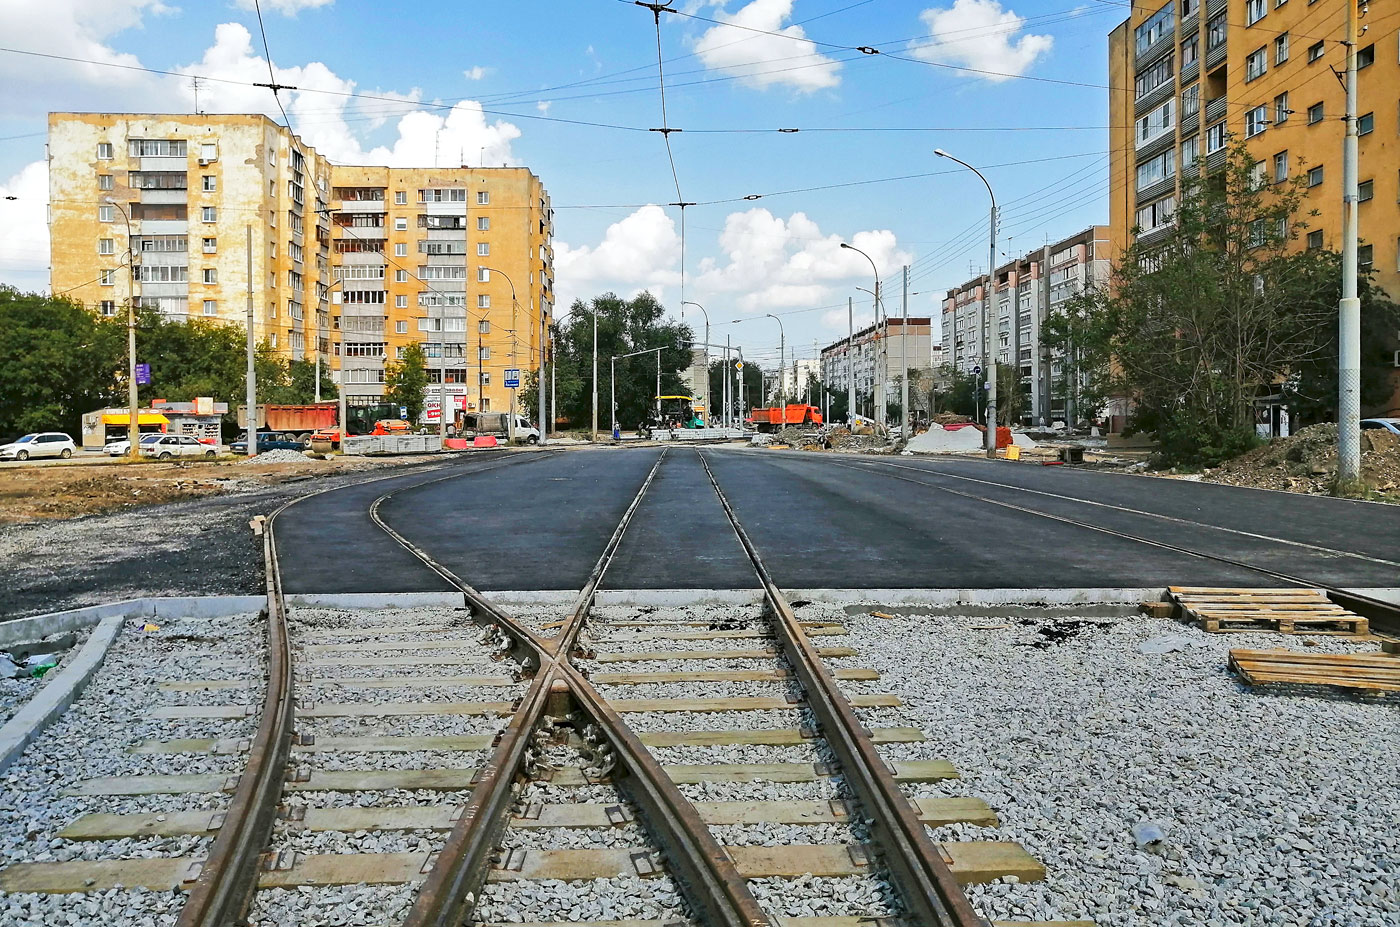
[
  {"x": 595, "y": 376},
  {"x": 989, "y": 355},
  {"x": 133, "y": 402},
  {"x": 782, "y": 363},
  {"x": 878, "y": 388},
  {"x": 685, "y": 303},
  {"x": 850, "y": 360},
  {"x": 1349, "y": 309},
  {"x": 906, "y": 431},
  {"x": 514, "y": 338}
]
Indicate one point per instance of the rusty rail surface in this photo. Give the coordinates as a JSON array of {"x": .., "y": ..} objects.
[{"x": 925, "y": 883}]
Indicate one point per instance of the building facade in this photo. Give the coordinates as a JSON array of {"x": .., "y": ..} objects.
[
  {"x": 863, "y": 352},
  {"x": 349, "y": 265},
  {"x": 1025, "y": 293}
]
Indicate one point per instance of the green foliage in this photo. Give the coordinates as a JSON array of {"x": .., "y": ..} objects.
[
  {"x": 752, "y": 375},
  {"x": 961, "y": 397},
  {"x": 624, "y": 326},
  {"x": 406, "y": 379}
]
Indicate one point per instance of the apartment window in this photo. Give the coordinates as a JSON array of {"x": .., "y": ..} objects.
[
  {"x": 209, "y": 151},
  {"x": 156, "y": 147},
  {"x": 400, "y": 197},
  {"x": 483, "y": 275},
  {"x": 1366, "y": 124},
  {"x": 483, "y": 353},
  {"x": 401, "y": 225},
  {"x": 209, "y": 213},
  {"x": 1190, "y": 8},
  {"x": 1253, "y": 11},
  {"x": 1281, "y": 167},
  {"x": 1366, "y": 57},
  {"x": 1315, "y": 113},
  {"x": 1156, "y": 170},
  {"x": 1153, "y": 76},
  {"x": 1281, "y": 110},
  {"x": 1255, "y": 121},
  {"x": 1365, "y": 190},
  {"x": 211, "y": 307},
  {"x": 211, "y": 275},
  {"x": 400, "y": 276},
  {"x": 1157, "y": 25},
  {"x": 1279, "y": 3},
  {"x": 106, "y": 213},
  {"x": 401, "y": 249},
  {"x": 211, "y": 245},
  {"x": 1216, "y": 31},
  {"x": 1191, "y": 101},
  {"x": 105, "y": 246},
  {"x": 1190, "y": 51},
  {"x": 1315, "y": 176},
  {"x": 400, "y": 302},
  {"x": 108, "y": 307},
  {"x": 401, "y": 327},
  {"x": 443, "y": 195},
  {"x": 360, "y": 272},
  {"x": 1364, "y": 257},
  {"x": 483, "y": 223},
  {"x": 1190, "y": 151},
  {"x": 1315, "y": 51},
  {"x": 1280, "y": 49},
  {"x": 104, "y": 151},
  {"x": 1156, "y": 215},
  {"x": 483, "y": 327},
  {"x": 483, "y": 198},
  {"x": 483, "y": 249},
  {"x": 107, "y": 277},
  {"x": 209, "y": 183},
  {"x": 104, "y": 181},
  {"x": 1255, "y": 64},
  {"x": 1315, "y": 239},
  {"x": 440, "y": 272},
  {"x": 1215, "y": 138},
  {"x": 367, "y": 349},
  {"x": 483, "y": 300},
  {"x": 1156, "y": 122}
]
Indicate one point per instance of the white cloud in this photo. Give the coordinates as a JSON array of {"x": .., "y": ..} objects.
[
  {"x": 24, "y": 233},
  {"x": 637, "y": 253},
  {"x": 544, "y": 105},
  {"x": 788, "y": 59},
  {"x": 978, "y": 34},
  {"x": 322, "y": 117},
  {"x": 476, "y": 72},
  {"x": 285, "y": 7}
]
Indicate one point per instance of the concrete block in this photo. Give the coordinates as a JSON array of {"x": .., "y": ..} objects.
[
  {"x": 352, "y": 600},
  {"x": 50, "y": 702}
]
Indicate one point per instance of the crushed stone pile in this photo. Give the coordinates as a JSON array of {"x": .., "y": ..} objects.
[
  {"x": 280, "y": 455},
  {"x": 940, "y": 440},
  {"x": 1307, "y": 462}
]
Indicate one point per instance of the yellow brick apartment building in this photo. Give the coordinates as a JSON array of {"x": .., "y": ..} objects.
[{"x": 349, "y": 263}]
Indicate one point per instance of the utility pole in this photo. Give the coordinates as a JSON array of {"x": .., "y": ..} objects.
[
  {"x": 595, "y": 376},
  {"x": 658, "y": 385},
  {"x": 728, "y": 395},
  {"x": 539, "y": 379},
  {"x": 850, "y": 359},
  {"x": 133, "y": 402},
  {"x": 252, "y": 417},
  {"x": 905, "y": 432},
  {"x": 442, "y": 370},
  {"x": 1349, "y": 309},
  {"x": 782, "y": 364}
]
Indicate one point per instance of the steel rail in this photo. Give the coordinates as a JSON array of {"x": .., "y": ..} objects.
[
  {"x": 924, "y": 881},
  {"x": 1378, "y": 611},
  {"x": 706, "y": 875}
]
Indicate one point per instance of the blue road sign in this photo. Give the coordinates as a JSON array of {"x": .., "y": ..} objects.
[
  {"x": 512, "y": 378},
  {"x": 143, "y": 374}
]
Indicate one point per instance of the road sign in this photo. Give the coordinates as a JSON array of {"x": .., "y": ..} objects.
[
  {"x": 512, "y": 378},
  {"x": 976, "y": 369},
  {"x": 403, "y": 411},
  {"x": 143, "y": 374},
  {"x": 738, "y": 365}
]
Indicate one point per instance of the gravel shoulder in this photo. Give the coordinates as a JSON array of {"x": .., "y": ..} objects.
[{"x": 1278, "y": 807}]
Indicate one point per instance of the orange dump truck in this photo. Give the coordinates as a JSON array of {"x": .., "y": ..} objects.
[{"x": 771, "y": 418}]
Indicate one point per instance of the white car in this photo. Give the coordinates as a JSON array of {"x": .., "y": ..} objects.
[
  {"x": 123, "y": 447},
  {"x": 1391, "y": 425},
  {"x": 42, "y": 444},
  {"x": 165, "y": 447}
]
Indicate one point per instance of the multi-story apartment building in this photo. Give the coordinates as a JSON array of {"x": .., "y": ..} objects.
[
  {"x": 1037, "y": 285},
  {"x": 1185, "y": 79},
  {"x": 349, "y": 264},
  {"x": 863, "y": 352}
]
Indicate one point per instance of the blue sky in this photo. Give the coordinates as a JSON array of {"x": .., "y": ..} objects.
[{"x": 569, "y": 88}]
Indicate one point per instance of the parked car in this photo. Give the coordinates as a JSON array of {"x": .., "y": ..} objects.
[
  {"x": 266, "y": 444},
  {"x": 1391, "y": 425},
  {"x": 123, "y": 447},
  {"x": 41, "y": 444},
  {"x": 165, "y": 447}
]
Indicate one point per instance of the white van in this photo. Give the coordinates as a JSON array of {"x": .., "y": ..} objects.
[{"x": 498, "y": 424}]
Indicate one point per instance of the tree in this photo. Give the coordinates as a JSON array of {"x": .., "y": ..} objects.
[
  {"x": 406, "y": 381},
  {"x": 752, "y": 377},
  {"x": 1208, "y": 315}
]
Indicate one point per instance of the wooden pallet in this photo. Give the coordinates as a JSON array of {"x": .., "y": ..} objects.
[
  {"x": 1288, "y": 611},
  {"x": 1373, "y": 672}
]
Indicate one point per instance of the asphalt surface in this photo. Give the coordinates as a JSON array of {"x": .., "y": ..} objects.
[{"x": 826, "y": 521}]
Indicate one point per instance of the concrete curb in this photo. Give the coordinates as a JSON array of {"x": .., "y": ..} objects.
[
  {"x": 205, "y": 606},
  {"x": 50, "y": 702},
  {"x": 375, "y": 600}
]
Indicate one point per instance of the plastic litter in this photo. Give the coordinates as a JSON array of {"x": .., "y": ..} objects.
[
  {"x": 148, "y": 627},
  {"x": 1147, "y": 835}
]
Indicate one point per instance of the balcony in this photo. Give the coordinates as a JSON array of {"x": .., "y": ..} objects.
[
  {"x": 1215, "y": 6},
  {"x": 1189, "y": 71},
  {"x": 1160, "y": 188},
  {"x": 1156, "y": 145},
  {"x": 1215, "y": 109},
  {"x": 1216, "y": 55},
  {"x": 1190, "y": 124},
  {"x": 1157, "y": 48},
  {"x": 1156, "y": 95}
]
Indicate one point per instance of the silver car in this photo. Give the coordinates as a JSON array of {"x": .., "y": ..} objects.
[
  {"x": 168, "y": 446},
  {"x": 123, "y": 447},
  {"x": 1391, "y": 425},
  {"x": 40, "y": 444}
]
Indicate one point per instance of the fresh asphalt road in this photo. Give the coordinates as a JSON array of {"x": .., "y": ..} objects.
[{"x": 824, "y": 521}]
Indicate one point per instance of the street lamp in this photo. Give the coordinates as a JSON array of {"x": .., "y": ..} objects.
[
  {"x": 133, "y": 425},
  {"x": 684, "y": 303},
  {"x": 879, "y": 391},
  {"x": 782, "y": 363},
  {"x": 510, "y": 431},
  {"x": 989, "y": 357}
]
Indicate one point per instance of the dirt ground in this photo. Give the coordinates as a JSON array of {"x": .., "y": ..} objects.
[
  {"x": 1307, "y": 463},
  {"x": 31, "y": 493}
]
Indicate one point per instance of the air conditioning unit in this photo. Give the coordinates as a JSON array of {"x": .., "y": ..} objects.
[{"x": 203, "y": 162}]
